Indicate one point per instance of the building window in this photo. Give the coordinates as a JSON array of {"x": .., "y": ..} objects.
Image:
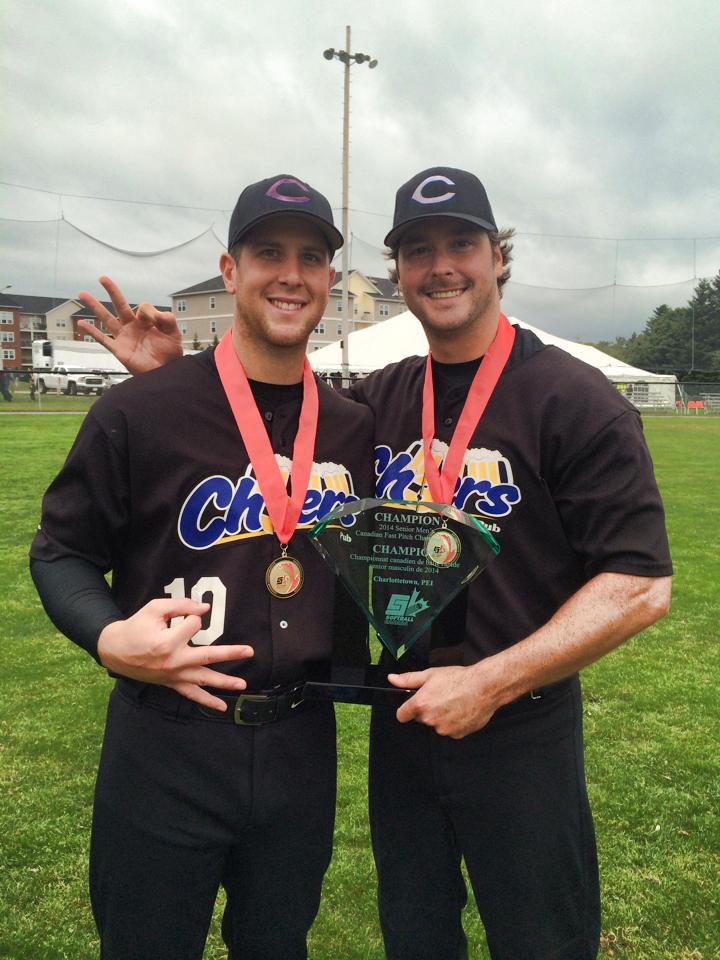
[
  {"x": 61, "y": 324},
  {"x": 213, "y": 326},
  {"x": 183, "y": 329},
  {"x": 339, "y": 306},
  {"x": 7, "y": 336},
  {"x": 8, "y": 354},
  {"x": 340, "y": 329},
  {"x": 320, "y": 328},
  {"x": 384, "y": 310},
  {"x": 181, "y": 306},
  {"x": 6, "y": 316},
  {"x": 88, "y": 339},
  {"x": 211, "y": 303},
  {"x": 90, "y": 320}
]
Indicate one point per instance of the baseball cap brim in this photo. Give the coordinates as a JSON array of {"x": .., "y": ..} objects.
[
  {"x": 331, "y": 234},
  {"x": 397, "y": 231}
]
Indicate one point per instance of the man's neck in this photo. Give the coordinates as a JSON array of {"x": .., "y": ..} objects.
[
  {"x": 269, "y": 364},
  {"x": 458, "y": 346}
]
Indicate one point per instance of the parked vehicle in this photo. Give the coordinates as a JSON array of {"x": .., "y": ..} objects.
[
  {"x": 70, "y": 382},
  {"x": 75, "y": 366}
]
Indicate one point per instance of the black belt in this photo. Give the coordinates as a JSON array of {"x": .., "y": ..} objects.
[{"x": 246, "y": 709}]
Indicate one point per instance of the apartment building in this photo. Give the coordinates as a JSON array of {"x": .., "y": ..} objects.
[
  {"x": 10, "y": 333},
  {"x": 27, "y": 318}
]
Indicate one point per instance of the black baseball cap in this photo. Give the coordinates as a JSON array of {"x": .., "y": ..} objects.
[
  {"x": 282, "y": 195},
  {"x": 441, "y": 192}
]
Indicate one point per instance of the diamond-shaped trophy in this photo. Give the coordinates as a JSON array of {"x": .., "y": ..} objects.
[{"x": 403, "y": 562}]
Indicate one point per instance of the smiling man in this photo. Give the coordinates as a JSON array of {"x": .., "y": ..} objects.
[
  {"x": 214, "y": 771},
  {"x": 485, "y": 762}
]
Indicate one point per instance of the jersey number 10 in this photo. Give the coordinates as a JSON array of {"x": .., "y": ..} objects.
[{"x": 205, "y": 585}]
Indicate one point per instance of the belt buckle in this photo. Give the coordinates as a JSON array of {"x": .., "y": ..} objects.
[{"x": 244, "y": 698}]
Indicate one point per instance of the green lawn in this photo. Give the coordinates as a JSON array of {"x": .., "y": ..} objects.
[
  {"x": 45, "y": 403},
  {"x": 651, "y": 728}
]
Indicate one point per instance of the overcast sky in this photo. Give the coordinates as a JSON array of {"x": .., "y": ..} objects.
[{"x": 595, "y": 121}]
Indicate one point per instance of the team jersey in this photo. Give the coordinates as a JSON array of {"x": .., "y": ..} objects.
[
  {"x": 557, "y": 470},
  {"x": 158, "y": 489}
]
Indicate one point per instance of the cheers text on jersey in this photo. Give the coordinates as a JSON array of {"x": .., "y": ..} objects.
[
  {"x": 485, "y": 486},
  {"x": 218, "y": 510}
]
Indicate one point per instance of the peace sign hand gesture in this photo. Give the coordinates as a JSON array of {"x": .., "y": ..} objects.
[{"x": 142, "y": 339}]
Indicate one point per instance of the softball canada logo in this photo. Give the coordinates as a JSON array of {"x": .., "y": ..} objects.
[
  {"x": 402, "y": 608},
  {"x": 219, "y": 510},
  {"x": 485, "y": 486}
]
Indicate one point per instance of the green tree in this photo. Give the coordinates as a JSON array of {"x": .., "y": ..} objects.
[
  {"x": 680, "y": 340},
  {"x": 196, "y": 341}
]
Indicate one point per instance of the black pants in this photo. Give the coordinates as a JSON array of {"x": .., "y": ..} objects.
[
  {"x": 183, "y": 806},
  {"x": 509, "y": 799}
]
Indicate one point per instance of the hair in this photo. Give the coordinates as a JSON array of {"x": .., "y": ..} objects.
[{"x": 498, "y": 239}]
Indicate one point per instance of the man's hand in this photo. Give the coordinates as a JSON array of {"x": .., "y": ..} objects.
[
  {"x": 142, "y": 339},
  {"x": 455, "y": 701},
  {"x": 144, "y": 648},
  {"x": 602, "y": 614}
]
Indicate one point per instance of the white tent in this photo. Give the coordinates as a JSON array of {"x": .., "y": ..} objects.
[{"x": 402, "y": 336}]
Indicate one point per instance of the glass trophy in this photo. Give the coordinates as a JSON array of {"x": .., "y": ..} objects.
[{"x": 403, "y": 562}]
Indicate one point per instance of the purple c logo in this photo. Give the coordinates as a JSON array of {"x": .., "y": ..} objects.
[
  {"x": 420, "y": 197},
  {"x": 274, "y": 191}
]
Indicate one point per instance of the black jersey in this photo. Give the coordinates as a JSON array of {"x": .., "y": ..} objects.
[
  {"x": 159, "y": 489},
  {"x": 557, "y": 469}
]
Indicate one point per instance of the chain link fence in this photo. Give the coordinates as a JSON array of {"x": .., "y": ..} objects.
[{"x": 698, "y": 398}]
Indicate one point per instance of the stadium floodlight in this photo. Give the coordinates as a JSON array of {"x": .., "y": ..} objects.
[{"x": 347, "y": 58}]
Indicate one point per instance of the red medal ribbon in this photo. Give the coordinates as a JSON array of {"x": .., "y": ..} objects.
[
  {"x": 442, "y": 485},
  {"x": 284, "y": 511}
]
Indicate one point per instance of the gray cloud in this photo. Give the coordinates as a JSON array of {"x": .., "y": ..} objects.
[{"x": 582, "y": 119}]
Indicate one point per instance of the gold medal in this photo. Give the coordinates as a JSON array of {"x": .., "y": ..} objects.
[
  {"x": 442, "y": 547},
  {"x": 284, "y": 577}
]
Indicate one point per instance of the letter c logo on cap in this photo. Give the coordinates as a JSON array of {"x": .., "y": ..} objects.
[
  {"x": 420, "y": 197},
  {"x": 274, "y": 191}
]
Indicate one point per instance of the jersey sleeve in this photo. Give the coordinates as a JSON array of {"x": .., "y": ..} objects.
[
  {"x": 609, "y": 503},
  {"x": 86, "y": 509},
  {"x": 77, "y": 599}
]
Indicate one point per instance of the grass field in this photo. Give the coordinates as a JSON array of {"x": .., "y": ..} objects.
[{"x": 651, "y": 718}]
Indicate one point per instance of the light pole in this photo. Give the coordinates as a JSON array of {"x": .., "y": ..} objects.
[{"x": 347, "y": 58}]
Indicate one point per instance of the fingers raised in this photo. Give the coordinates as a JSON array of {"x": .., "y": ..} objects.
[
  {"x": 122, "y": 307},
  {"x": 147, "y": 315},
  {"x": 101, "y": 312},
  {"x": 96, "y": 334}
]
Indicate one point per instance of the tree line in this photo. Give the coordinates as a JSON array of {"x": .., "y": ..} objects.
[{"x": 680, "y": 340}]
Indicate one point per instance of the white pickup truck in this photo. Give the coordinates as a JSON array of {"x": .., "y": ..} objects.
[{"x": 69, "y": 381}]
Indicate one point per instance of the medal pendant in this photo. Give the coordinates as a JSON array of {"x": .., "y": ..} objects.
[
  {"x": 284, "y": 577},
  {"x": 442, "y": 547}
]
